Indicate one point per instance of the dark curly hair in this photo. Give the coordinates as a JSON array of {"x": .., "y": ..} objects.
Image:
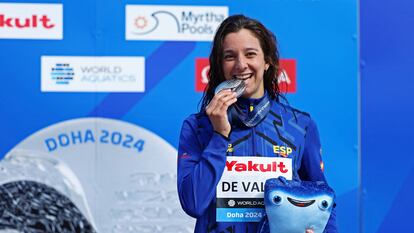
[{"x": 267, "y": 42}]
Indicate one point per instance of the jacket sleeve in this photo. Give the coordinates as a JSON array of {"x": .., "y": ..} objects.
[
  {"x": 199, "y": 169},
  {"x": 312, "y": 167}
]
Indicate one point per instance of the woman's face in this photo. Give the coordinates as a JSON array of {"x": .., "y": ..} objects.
[{"x": 243, "y": 58}]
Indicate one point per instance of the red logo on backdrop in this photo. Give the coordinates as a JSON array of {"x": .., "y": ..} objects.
[
  {"x": 286, "y": 77},
  {"x": 202, "y": 68},
  {"x": 29, "y": 22}
]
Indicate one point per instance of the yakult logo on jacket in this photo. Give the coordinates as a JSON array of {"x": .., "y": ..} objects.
[
  {"x": 188, "y": 23},
  {"x": 286, "y": 77},
  {"x": 31, "y": 21},
  {"x": 251, "y": 166}
]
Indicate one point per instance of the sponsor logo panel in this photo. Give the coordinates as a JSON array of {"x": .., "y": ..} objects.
[
  {"x": 165, "y": 22},
  {"x": 286, "y": 77},
  {"x": 92, "y": 74},
  {"x": 31, "y": 21}
]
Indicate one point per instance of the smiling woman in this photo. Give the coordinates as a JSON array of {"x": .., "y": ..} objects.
[{"x": 252, "y": 126}]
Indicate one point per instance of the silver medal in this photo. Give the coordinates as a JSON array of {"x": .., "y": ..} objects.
[{"x": 235, "y": 85}]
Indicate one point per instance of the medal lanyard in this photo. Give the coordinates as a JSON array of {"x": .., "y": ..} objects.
[{"x": 251, "y": 119}]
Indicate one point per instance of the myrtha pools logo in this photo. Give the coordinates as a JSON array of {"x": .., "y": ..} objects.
[
  {"x": 62, "y": 73},
  {"x": 189, "y": 23}
]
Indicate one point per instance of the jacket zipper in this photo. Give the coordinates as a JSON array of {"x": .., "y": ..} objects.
[{"x": 254, "y": 141}]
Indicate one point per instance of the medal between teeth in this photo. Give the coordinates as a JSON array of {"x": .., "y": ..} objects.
[{"x": 235, "y": 85}]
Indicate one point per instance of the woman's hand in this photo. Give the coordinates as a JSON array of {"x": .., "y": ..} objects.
[
  {"x": 217, "y": 111},
  {"x": 309, "y": 231}
]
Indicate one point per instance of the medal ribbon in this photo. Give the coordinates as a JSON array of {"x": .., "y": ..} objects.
[{"x": 250, "y": 118}]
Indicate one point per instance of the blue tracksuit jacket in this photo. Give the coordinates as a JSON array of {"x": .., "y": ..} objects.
[{"x": 202, "y": 158}]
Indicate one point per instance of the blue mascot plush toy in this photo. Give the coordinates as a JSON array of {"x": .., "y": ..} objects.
[{"x": 294, "y": 206}]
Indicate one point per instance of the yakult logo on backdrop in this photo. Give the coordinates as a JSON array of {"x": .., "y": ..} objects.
[
  {"x": 188, "y": 23},
  {"x": 93, "y": 74},
  {"x": 31, "y": 21},
  {"x": 286, "y": 77}
]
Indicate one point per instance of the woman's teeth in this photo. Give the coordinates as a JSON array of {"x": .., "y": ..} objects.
[{"x": 243, "y": 76}]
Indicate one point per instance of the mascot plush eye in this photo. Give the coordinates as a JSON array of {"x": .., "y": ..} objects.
[
  {"x": 324, "y": 205},
  {"x": 277, "y": 199}
]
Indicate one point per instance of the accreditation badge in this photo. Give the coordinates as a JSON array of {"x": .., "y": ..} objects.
[{"x": 241, "y": 187}]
